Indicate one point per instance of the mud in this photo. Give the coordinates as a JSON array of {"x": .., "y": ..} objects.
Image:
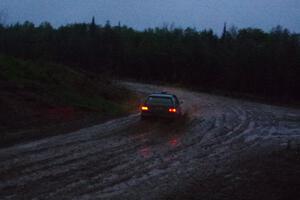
[{"x": 128, "y": 158}]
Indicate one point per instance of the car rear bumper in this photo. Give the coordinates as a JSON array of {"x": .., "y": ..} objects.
[{"x": 160, "y": 115}]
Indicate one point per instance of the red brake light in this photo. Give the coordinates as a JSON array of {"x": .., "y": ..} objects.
[
  {"x": 172, "y": 110},
  {"x": 144, "y": 108}
]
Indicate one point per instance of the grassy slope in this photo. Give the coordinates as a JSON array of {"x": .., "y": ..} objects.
[{"x": 36, "y": 94}]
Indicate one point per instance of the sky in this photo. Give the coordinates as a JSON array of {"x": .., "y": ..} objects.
[{"x": 141, "y": 14}]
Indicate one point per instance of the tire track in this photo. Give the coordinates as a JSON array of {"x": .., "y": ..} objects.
[{"x": 129, "y": 159}]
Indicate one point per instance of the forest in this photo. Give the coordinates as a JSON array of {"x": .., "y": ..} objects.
[{"x": 242, "y": 61}]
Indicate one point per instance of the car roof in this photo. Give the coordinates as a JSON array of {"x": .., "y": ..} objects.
[{"x": 162, "y": 95}]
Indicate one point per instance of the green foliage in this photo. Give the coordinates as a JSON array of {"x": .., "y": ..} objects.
[
  {"x": 241, "y": 60},
  {"x": 60, "y": 85}
]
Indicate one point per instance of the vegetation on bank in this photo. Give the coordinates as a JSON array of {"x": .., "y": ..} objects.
[
  {"x": 250, "y": 61},
  {"x": 33, "y": 94}
]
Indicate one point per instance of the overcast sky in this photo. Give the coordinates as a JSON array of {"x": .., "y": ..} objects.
[{"x": 141, "y": 14}]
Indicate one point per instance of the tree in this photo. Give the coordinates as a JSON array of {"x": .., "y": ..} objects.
[
  {"x": 93, "y": 26},
  {"x": 224, "y": 33},
  {"x": 241, "y": 60}
]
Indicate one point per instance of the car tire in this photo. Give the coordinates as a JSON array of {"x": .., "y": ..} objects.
[{"x": 143, "y": 117}]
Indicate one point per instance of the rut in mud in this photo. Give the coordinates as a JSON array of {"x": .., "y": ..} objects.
[{"x": 131, "y": 159}]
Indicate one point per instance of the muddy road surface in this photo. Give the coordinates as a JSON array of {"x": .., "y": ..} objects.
[{"x": 131, "y": 159}]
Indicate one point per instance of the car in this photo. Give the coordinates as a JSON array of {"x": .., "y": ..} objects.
[{"x": 162, "y": 105}]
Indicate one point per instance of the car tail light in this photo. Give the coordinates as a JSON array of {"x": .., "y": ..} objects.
[
  {"x": 145, "y": 108},
  {"x": 172, "y": 110}
]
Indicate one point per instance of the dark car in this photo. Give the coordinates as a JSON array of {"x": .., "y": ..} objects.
[{"x": 161, "y": 105}]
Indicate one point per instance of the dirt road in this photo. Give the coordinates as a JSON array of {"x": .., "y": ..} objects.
[{"x": 131, "y": 159}]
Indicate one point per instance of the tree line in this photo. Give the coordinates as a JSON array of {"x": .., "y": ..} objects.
[{"x": 247, "y": 60}]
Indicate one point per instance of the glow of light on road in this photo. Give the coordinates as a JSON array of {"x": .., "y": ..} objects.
[
  {"x": 145, "y": 152},
  {"x": 174, "y": 142}
]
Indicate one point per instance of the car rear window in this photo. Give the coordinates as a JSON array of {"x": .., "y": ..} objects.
[{"x": 165, "y": 101}]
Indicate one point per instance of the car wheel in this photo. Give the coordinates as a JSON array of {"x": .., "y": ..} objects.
[{"x": 143, "y": 117}]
